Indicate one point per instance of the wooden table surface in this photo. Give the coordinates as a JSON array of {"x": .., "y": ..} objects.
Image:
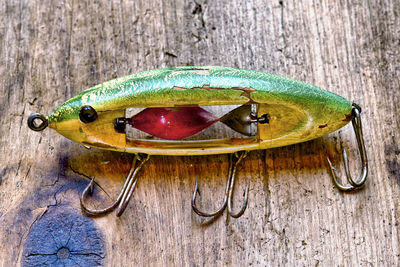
[{"x": 52, "y": 50}]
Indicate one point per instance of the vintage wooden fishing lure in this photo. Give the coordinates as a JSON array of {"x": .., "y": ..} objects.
[{"x": 171, "y": 111}]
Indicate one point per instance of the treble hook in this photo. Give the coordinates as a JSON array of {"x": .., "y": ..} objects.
[
  {"x": 123, "y": 197},
  {"x": 359, "y": 182},
  {"x": 228, "y": 192}
]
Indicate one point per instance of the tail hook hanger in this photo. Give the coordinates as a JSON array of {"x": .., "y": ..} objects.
[
  {"x": 125, "y": 194},
  {"x": 359, "y": 182},
  {"x": 227, "y": 202}
]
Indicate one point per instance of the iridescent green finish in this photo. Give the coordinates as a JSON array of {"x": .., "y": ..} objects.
[{"x": 321, "y": 111}]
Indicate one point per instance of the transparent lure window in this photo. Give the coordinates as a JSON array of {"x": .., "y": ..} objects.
[{"x": 191, "y": 122}]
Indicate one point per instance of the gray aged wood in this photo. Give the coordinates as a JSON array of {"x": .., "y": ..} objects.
[{"x": 52, "y": 50}]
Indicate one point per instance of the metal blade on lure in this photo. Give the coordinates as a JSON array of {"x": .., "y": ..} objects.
[{"x": 241, "y": 120}]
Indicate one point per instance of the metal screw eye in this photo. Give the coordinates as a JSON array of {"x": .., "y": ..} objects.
[{"x": 34, "y": 125}]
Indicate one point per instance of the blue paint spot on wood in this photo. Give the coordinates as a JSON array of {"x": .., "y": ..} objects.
[{"x": 64, "y": 238}]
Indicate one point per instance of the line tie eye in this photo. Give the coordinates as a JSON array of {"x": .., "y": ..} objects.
[{"x": 87, "y": 114}]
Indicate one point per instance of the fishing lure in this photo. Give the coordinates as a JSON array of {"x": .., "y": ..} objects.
[{"x": 172, "y": 111}]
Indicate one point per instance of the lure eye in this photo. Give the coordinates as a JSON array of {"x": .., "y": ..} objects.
[{"x": 87, "y": 114}]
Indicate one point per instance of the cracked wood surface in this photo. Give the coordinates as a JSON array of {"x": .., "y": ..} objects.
[{"x": 52, "y": 51}]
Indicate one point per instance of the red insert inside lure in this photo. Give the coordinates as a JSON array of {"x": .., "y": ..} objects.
[{"x": 173, "y": 123}]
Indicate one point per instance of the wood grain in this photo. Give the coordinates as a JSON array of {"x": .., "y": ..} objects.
[{"x": 52, "y": 50}]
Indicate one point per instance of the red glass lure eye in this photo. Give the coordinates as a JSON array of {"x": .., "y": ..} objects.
[{"x": 173, "y": 123}]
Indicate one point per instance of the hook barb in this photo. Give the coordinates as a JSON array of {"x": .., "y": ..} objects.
[
  {"x": 354, "y": 184},
  {"x": 227, "y": 202},
  {"x": 124, "y": 196}
]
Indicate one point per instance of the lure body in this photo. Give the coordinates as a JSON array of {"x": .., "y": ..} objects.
[{"x": 297, "y": 111}]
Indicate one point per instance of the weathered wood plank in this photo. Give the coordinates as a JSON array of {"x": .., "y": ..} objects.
[{"x": 52, "y": 51}]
